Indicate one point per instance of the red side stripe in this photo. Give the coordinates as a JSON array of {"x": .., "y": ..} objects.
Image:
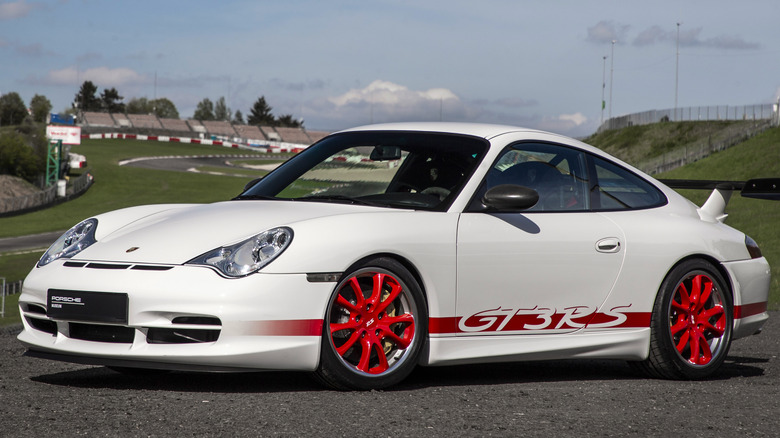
[
  {"x": 746, "y": 310},
  {"x": 295, "y": 327}
]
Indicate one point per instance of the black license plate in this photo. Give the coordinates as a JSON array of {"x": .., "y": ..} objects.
[{"x": 76, "y": 305}]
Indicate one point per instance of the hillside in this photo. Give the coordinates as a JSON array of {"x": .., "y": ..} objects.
[{"x": 648, "y": 147}]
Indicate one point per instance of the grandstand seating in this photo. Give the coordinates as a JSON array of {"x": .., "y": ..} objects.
[
  {"x": 219, "y": 127},
  {"x": 122, "y": 120},
  {"x": 174, "y": 124},
  {"x": 151, "y": 125},
  {"x": 270, "y": 133},
  {"x": 249, "y": 132},
  {"x": 144, "y": 121},
  {"x": 98, "y": 119},
  {"x": 316, "y": 136},
  {"x": 293, "y": 135},
  {"x": 196, "y": 125}
]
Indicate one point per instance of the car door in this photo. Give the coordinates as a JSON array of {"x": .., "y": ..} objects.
[{"x": 544, "y": 270}]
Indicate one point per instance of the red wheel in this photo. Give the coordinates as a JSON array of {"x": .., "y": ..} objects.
[
  {"x": 692, "y": 323},
  {"x": 374, "y": 328}
]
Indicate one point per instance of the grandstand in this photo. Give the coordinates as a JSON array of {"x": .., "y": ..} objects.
[
  {"x": 98, "y": 119},
  {"x": 175, "y": 124},
  {"x": 122, "y": 120},
  {"x": 219, "y": 127},
  {"x": 144, "y": 121},
  {"x": 148, "y": 124},
  {"x": 250, "y": 132}
]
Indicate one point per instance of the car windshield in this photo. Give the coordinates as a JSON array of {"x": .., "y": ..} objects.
[{"x": 390, "y": 169}]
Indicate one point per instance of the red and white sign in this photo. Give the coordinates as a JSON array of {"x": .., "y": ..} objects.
[{"x": 68, "y": 134}]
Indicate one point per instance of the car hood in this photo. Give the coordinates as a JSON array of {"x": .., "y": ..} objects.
[{"x": 176, "y": 235}]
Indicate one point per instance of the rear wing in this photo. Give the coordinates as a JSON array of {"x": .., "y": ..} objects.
[{"x": 715, "y": 207}]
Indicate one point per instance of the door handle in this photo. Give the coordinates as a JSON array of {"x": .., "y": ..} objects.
[{"x": 608, "y": 245}]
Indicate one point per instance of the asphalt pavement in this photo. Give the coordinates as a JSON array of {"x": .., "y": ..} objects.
[{"x": 582, "y": 398}]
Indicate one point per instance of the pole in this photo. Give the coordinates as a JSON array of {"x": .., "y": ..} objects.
[
  {"x": 676, "y": 71},
  {"x": 611, "y": 75},
  {"x": 603, "y": 85}
]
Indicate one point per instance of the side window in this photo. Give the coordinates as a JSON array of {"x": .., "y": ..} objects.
[
  {"x": 557, "y": 173},
  {"x": 618, "y": 189}
]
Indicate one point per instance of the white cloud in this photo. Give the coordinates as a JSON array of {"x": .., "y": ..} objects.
[
  {"x": 9, "y": 11},
  {"x": 691, "y": 38},
  {"x": 101, "y": 76},
  {"x": 567, "y": 124},
  {"x": 389, "y": 94},
  {"x": 606, "y": 31}
]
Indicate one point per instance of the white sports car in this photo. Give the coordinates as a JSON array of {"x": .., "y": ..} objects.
[{"x": 384, "y": 247}]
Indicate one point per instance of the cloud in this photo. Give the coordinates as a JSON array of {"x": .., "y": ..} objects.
[
  {"x": 101, "y": 76},
  {"x": 691, "y": 38},
  {"x": 9, "y": 11},
  {"x": 388, "y": 94},
  {"x": 564, "y": 123},
  {"x": 606, "y": 31}
]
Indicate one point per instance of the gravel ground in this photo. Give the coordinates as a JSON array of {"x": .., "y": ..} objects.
[{"x": 565, "y": 398}]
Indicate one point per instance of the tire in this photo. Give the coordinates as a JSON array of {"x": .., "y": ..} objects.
[
  {"x": 692, "y": 320},
  {"x": 374, "y": 327}
]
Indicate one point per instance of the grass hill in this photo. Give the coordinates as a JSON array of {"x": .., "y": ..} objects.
[{"x": 647, "y": 146}]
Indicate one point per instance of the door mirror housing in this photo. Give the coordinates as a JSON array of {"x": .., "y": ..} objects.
[{"x": 510, "y": 197}]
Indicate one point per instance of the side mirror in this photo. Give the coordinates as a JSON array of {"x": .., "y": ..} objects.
[
  {"x": 250, "y": 184},
  {"x": 385, "y": 153},
  {"x": 510, "y": 197}
]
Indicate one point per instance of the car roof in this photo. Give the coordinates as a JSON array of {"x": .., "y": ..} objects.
[{"x": 486, "y": 131}]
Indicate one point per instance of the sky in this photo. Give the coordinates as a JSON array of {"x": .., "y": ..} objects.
[{"x": 338, "y": 64}]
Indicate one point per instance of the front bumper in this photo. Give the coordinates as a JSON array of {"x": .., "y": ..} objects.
[{"x": 183, "y": 317}]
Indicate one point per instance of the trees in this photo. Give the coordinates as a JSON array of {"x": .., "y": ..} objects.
[
  {"x": 110, "y": 101},
  {"x": 161, "y": 107},
  {"x": 221, "y": 110},
  {"x": 238, "y": 118},
  {"x": 12, "y": 109},
  {"x": 260, "y": 114},
  {"x": 204, "y": 110},
  {"x": 19, "y": 159},
  {"x": 86, "y": 99},
  {"x": 41, "y": 107},
  {"x": 287, "y": 121}
]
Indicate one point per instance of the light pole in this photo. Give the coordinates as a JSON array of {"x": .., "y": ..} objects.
[
  {"x": 611, "y": 74},
  {"x": 677, "y": 71},
  {"x": 603, "y": 85}
]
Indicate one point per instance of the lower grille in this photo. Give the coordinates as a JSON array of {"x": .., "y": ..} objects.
[
  {"x": 180, "y": 336},
  {"x": 101, "y": 333},
  {"x": 43, "y": 325}
]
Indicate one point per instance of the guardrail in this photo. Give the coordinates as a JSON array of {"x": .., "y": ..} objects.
[{"x": 766, "y": 111}]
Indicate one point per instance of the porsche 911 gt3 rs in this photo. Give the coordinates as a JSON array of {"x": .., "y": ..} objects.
[{"x": 385, "y": 247}]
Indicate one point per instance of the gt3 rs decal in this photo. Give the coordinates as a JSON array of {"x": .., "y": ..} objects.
[
  {"x": 540, "y": 318},
  {"x": 571, "y": 318}
]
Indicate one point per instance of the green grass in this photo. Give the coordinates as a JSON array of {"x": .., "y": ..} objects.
[
  {"x": 124, "y": 186},
  {"x": 638, "y": 144},
  {"x": 14, "y": 267}
]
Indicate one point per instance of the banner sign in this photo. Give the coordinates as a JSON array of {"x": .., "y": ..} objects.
[
  {"x": 63, "y": 119},
  {"x": 68, "y": 134}
]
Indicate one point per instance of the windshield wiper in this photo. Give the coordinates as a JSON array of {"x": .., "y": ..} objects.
[
  {"x": 255, "y": 198},
  {"x": 340, "y": 198}
]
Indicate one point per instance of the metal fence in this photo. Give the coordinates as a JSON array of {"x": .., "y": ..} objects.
[
  {"x": 45, "y": 197},
  {"x": 703, "y": 148},
  {"x": 8, "y": 289},
  {"x": 694, "y": 113}
]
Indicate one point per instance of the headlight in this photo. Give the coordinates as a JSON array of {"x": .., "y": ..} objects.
[
  {"x": 249, "y": 256},
  {"x": 71, "y": 243}
]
